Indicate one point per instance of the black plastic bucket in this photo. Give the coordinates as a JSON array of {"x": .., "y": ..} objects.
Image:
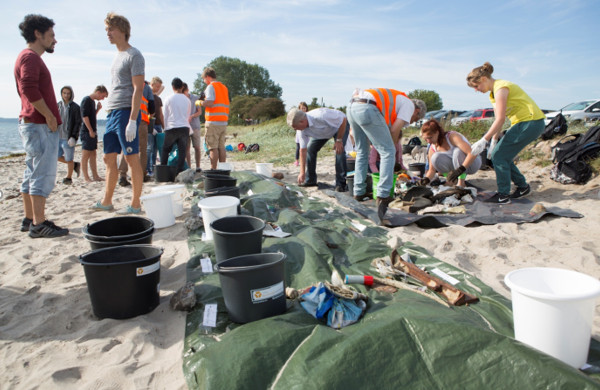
[
  {"x": 253, "y": 286},
  {"x": 216, "y": 181},
  {"x": 123, "y": 281},
  {"x": 229, "y": 191},
  {"x": 225, "y": 172},
  {"x": 350, "y": 164},
  {"x": 226, "y": 191},
  {"x": 165, "y": 173},
  {"x": 237, "y": 235},
  {"x": 417, "y": 167},
  {"x": 119, "y": 229},
  {"x": 106, "y": 244}
]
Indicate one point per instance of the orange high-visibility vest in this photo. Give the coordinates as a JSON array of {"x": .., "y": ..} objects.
[
  {"x": 386, "y": 102},
  {"x": 144, "y": 110},
  {"x": 219, "y": 112}
]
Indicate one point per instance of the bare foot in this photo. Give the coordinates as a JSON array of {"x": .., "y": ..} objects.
[
  {"x": 98, "y": 178},
  {"x": 88, "y": 180}
]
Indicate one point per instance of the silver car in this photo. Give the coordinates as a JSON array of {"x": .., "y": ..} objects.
[{"x": 578, "y": 112}]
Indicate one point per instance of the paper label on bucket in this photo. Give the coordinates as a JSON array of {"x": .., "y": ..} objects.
[
  {"x": 262, "y": 294},
  {"x": 141, "y": 271}
]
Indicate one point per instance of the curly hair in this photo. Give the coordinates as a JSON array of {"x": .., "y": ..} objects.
[
  {"x": 32, "y": 23},
  {"x": 476, "y": 74}
]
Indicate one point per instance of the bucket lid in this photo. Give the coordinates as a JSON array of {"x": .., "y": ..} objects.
[
  {"x": 157, "y": 195},
  {"x": 218, "y": 202}
]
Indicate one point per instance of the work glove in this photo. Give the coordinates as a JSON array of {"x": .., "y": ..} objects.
[
  {"x": 493, "y": 143},
  {"x": 130, "y": 130},
  {"x": 154, "y": 132},
  {"x": 71, "y": 142},
  {"x": 453, "y": 176},
  {"x": 424, "y": 181},
  {"x": 478, "y": 147}
]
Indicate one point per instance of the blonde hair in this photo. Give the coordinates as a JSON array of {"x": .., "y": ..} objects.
[
  {"x": 156, "y": 79},
  {"x": 120, "y": 22},
  {"x": 476, "y": 74}
]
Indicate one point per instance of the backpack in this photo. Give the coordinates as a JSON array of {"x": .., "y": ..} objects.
[
  {"x": 252, "y": 148},
  {"x": 407, "y": 148},
  {"x": 571, "y": 156},
  {"x": 557, "y": 126}
]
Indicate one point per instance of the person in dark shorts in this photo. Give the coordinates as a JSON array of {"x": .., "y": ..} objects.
[{"x": 89, "y": 132}]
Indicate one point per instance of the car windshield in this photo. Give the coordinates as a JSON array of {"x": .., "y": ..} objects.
[
  {"x": 466, "y": 114},
  {"x": 577, "y": 106}
]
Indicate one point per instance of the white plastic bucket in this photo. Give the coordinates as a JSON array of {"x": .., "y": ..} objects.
[
  {"x": 159, "y": 208},
  {"x": 553, "y": 311},
  {"x": 225, "y": 165},
  {"x": 178, "y": 196},
  {"x": 265, "y": 169},
  {"x": 216, "y": 207}
]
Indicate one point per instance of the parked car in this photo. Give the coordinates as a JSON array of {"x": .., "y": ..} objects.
[
  {"x": 464, "y": 117},
  {"x": 448, "y": 115},
  {"x": 428, "y": 116},
  {"x": 482, "y": 114},
  {"x": 578, "y": 111}
]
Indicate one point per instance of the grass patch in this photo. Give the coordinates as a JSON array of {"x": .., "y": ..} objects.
[{"x": 276, "y": 139}]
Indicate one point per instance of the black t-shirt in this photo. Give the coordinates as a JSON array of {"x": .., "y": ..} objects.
[{"x": 88, "y": 108}]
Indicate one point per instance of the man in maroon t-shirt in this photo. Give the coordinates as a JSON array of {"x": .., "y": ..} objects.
[{"x": 38, "y": 121}]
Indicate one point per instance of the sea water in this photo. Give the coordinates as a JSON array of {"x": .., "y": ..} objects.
[{"x": 10, "y": 141}]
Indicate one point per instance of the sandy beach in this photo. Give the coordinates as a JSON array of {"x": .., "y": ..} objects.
[{"x": 49, "y": 337}]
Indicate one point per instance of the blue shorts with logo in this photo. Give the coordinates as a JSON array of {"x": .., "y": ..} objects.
[
  {"x": 114, "y": 136},
  {"x": 41, "y": 148}
]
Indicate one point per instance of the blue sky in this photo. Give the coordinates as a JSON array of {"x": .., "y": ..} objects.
[{"x": 326, "y": 48}]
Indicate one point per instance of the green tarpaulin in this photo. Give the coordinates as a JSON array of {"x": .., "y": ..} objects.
[{"x": 404, "y": 340}]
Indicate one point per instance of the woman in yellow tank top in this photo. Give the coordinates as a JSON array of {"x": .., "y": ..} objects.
[{"x": 527, "y": 124}]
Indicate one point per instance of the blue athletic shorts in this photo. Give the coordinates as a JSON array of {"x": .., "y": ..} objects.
[{"x": 114, "y": 136}]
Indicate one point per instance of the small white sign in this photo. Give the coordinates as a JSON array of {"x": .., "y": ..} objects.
[
  {"x": 142, "y": 271},
  {"x": 260, "y": 295},
  {"x": 210, "y": 315},
  {"x": 445, "y": 276},
  {"x": 206, "y": 265},
  {"x": 359, "y": 226}
]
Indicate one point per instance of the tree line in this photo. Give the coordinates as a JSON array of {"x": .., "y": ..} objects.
[{"x": 254, "y": 97}]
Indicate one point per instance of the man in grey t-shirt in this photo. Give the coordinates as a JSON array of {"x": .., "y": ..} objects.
[{"x": 123, "y": 108}]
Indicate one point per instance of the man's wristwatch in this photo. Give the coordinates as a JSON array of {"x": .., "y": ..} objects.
[{"x": 338, "y": 140}]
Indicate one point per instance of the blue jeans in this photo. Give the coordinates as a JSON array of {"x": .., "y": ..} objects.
[
  {"x": 313, "y": 147},
  {"x": 152, "y": 149},
  {"x": 515, "y": 139},
  {"x": 41, "y": 148},
  {"x": 368, "y": 125}
]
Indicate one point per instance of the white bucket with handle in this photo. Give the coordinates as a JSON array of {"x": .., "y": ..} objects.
[
  {"x": 178, "y": 196},
  {"x": 159, "y": 208},
  {"x": 553, "y": 311},
  {"x": 216, "y": 207}
]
